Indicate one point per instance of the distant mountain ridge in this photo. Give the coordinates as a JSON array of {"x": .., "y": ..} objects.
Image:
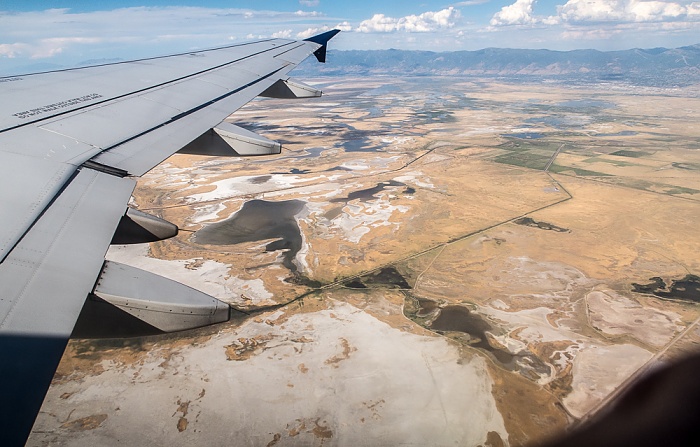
[
  {"x": 653, "y": 67},
  {"x": 661, "y": 67}
]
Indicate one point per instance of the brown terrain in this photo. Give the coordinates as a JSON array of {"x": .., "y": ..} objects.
[{"x": 441, "y": 262}]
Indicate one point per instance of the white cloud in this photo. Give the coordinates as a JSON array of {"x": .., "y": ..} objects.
[
  {"x": 309, "y": 2},
  {"x": 311, "y": 32},
  {"x": 590, "y": 34},
  {"x": 472, "y": 2},
  {"x": 308, "y": 32},
  {"x": 622, "y": 10},
  {"x": 519, "y": 13},
  {"x": 301, "y": 13},
  {"x": 44, "y": 48},
  {"x": 12, "y": 50},
  {"x": 61, "y": 36},
  {"x": 597, "y": 11},
  {"x": 284, "y": 34},
  {"x": 134, "y": 32},
  {"x": 379, "y": 23},
  {"x": 69, "y": 40},
  {"x": 426, "y": 22},
  {"x": 551, "y": 20},
  {"x": 693, "y": 9},
  {"x": 344, "y": 26}
]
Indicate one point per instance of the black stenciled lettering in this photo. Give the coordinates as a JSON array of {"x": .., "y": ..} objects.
[{"x": 56, "y": 106}]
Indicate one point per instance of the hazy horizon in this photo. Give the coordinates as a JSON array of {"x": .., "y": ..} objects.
[{"x": 63, "y": 33}]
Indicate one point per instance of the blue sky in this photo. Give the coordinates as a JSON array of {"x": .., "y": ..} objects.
[{"x": 34, "y": 32}]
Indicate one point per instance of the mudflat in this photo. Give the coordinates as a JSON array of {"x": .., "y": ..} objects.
[{"x": 456, "y": 261}]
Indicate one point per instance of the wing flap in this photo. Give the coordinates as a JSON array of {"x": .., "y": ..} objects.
[
  {"x": 66, "y": 246},
  {"x": 34, "y": 166},
  {"x": 45, "y": 280},
  {"x": 31, "y": 141},
  {"x": 27, "y": 186}
]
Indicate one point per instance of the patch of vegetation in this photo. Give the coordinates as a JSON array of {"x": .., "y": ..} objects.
[
  {"x": 543, "y": 152},
  {"x": 517, "y": 144},
  {"x": 414, "y": 309},
  {"x": 631, "y": 154},
  {"x": 513, "y": 147},
  {"x": 681, "y": 190},
  {"x": 687, "y": 166},
  {"x": 530, "y": 222},
  {"x": 612, "y": 162},
  {"x": 558, "y": 169},
  {"x": 304, "y": 281},
  {"x": 634, "y": 183},
  {"x": 523, "y": 159},
  {"x": 583, "y": 150},
  {"x": 436, "y": 116},
  {"x": 384, "y": 278},
  {"x": 654, "y": 187}
]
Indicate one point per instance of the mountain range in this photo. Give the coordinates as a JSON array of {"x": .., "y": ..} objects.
[
  {"x": 659, "y": 67},
  {"x": 655, "y": 67}
]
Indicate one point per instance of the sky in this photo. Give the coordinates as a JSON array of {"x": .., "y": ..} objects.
[{"x": 45, "y": 34}]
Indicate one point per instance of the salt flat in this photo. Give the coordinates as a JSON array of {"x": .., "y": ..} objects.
[{"x": 413, "y": 202}]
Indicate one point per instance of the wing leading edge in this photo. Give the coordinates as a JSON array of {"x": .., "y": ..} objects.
[{"x": 72, "y": 143}]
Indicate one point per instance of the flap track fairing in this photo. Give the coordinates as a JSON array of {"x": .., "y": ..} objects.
[
  {"x": 137, "y": 227},
  {"x": 230, "y": 140},
  {"x": 161, "y": 304},
  {"x": 288, "y": 89}
]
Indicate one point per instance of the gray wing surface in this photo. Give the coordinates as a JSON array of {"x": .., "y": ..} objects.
[{"x": 72, "y": 143}]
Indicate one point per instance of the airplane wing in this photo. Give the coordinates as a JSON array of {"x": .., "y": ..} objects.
[{"x": 72, "y": 143}]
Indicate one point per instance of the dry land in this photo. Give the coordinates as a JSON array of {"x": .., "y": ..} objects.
[{"x": 428, "y": 262}]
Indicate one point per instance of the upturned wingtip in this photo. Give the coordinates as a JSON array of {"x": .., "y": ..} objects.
[{"x": 323, "y": 38}]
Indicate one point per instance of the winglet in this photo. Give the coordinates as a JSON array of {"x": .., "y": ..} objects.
[{"x": 322, "y": 39}]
